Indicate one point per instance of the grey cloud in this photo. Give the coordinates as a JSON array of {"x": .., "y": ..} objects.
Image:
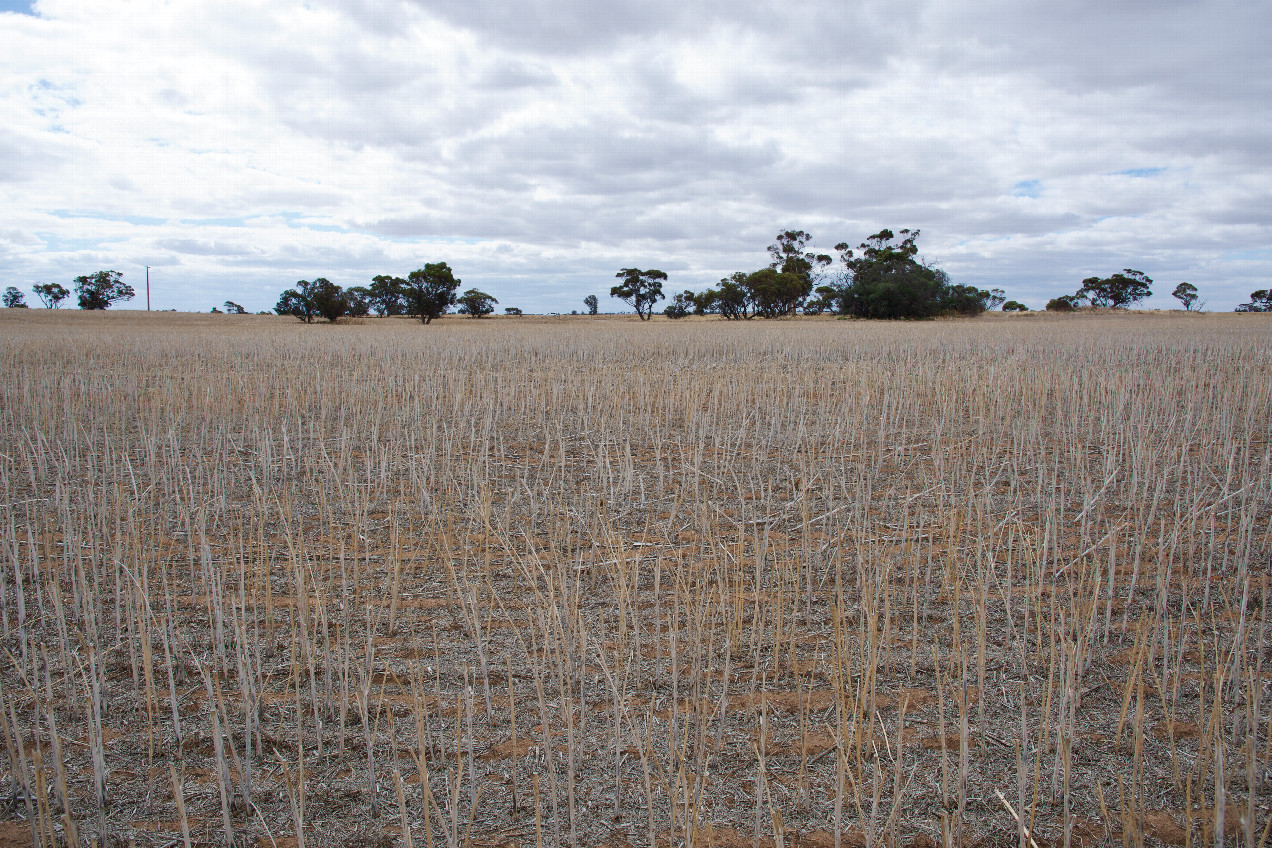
[
  {"x": 1170, "y": 47},
  {"x": 383, "y": 18},
  {"x": 826, "y": 34},
  {"x": 1004, "y": 219},
  {"x": 409, "y": 227},
  {"x": 205, "y": 247},
  {"x": 24, "y": 158},
  {"x": 509, "y": 74},
  {"x": 656, "y": 95},
  {"x": 296, "y": 198},
  {"x": 17, "y": 237},
  {"x": 551, "y": 25},
  {"x": 616, "y": 160},
  {"x": 394, "y": 96}
]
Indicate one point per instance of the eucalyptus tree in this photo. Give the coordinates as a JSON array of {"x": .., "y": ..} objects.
[
  {"x": 1186, "y": 293},
  {"x": 101, "y": 289},
  {"x": 640, "y": 289},
  {"x": 430, "y": 291},
  {"x": 1117, "y": 291},
  {"x": 52, "y": 294},
  {"x": 476, "y": 303}
]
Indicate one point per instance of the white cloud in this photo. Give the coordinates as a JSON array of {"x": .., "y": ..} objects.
[{"x": 538, "y": 147}]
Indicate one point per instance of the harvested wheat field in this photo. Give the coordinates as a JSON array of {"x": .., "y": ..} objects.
[{"x": 588, "y": 581}]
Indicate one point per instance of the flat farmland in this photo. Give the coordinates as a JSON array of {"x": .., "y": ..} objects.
[{"x": 589, "y": 581}]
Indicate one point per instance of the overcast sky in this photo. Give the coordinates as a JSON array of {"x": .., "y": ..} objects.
[{"x": 538, "y": 147}]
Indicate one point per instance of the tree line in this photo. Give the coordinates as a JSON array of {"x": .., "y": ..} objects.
[
  {"x": 427, "y": 293},
  {"x": 93, "y": 291},
  {"x": 880, "y": 278}
]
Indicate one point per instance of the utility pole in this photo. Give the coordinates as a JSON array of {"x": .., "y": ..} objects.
[{"x": 147, "y": 288}]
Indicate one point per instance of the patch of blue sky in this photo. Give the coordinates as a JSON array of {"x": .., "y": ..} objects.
[
  {"x": 234, "y": 221},
  {"x": 1257, "y": 255},
  {"x": 48, "y": 85},
  {"x": 135, "y": 220},
  {"x": 318, "y": 228},
  {"x": 1027, "y": 188},
  {"x": 22, "y": 7},
  {"x": 301, "y": 221},
  {"x": 1139, "y": 172}
]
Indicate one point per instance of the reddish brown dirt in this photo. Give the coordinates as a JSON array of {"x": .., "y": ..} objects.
[{"x": 15, "y": 835}]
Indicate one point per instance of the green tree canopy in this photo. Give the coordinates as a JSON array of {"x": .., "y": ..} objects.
[
  {"x": 476, "y": 303},
  {"x": 965, "y": 300},
  {"x": 1186, "y": 293},
  {"x": 385, "y": 295},
  {"x": 52, "y": 294},
  {"x": 789, "y": 257},
  {"x": 1117, "y": 291},
  {"x": 681, "y": 305},
  {"x": 1260, "y": 301},
  {"x": 732, "y": 300},
  {"x": 359, "y": 298},
  {"x": 299, "y": 301},
  {"x": 640, "y": 289},
  {"x": 773, "y": 293},
  {"x": 13, "y": 298},
  {"x": 430, "y": 291},
  {"x": 100, "y": 290},
  {"x": 885, "y": 280},
  {"x": 330, "y": 300}
]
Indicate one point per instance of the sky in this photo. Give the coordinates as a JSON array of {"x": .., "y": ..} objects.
[{"x": 540, "y": 146}]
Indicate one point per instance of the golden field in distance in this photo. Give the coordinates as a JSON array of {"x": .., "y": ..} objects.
[{"x": 588, "y": 581}]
